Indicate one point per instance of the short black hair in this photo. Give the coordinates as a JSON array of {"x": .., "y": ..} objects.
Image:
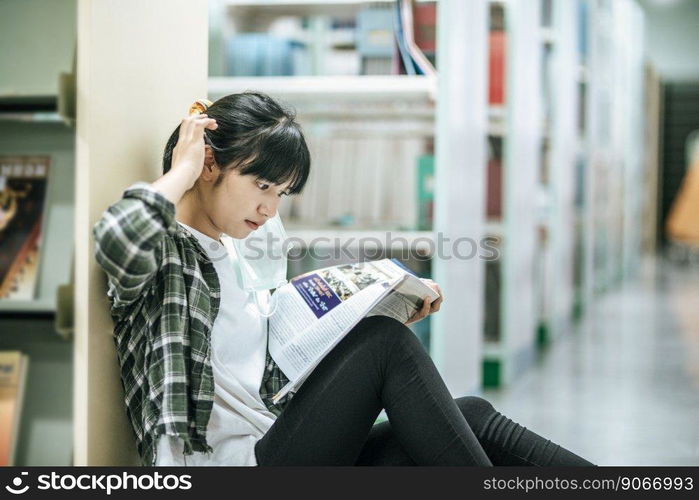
[{"x": 257, "y": 135}]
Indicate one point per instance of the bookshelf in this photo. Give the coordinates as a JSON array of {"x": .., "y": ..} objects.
[
  {"x": 29, "y": 108},
  {"x": 348, "y": 113},
  {"x": 421, "y": 241},
  {"x": 300, "y": 89},
  {"x": 563, "y": 156},
  {"x": 306, "y": 5},
  {"x": 510, "y": 291},
  {"x": 613, "y": 145},
  {"x": 582, "y": 164},
  {"x": 42, "y": 39},
  {"x": 551, "y": 206}
]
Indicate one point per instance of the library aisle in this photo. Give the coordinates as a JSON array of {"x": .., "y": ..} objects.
[
  {"x": 623, "y": 387},
  {"x": 537, "y": 159}
]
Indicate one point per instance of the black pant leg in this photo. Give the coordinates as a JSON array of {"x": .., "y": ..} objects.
[
  {"x": 379, "y": 364},
  {"x": 508, "y": 443},
  {"x": 504, "y": 441}
]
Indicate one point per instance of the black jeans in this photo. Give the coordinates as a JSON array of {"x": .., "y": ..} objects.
[{"x": 381, "y": 364}]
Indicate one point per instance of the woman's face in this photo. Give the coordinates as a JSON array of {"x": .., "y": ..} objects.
[{"x": 241, "y": 203}]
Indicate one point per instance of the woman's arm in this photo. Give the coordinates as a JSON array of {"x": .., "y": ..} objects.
[
  {"x": 129, "y": 233},
  {"x": 187, "y": 158}
]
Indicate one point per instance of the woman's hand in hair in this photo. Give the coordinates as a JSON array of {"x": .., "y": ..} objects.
[
  {"x": 189, "y": 150},
  {"x": 428, "y": 307}
]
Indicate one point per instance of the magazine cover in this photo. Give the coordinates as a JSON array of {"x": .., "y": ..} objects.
[
  {"x": 23, "y": 186},
  {"x": 326, "y": 288}
]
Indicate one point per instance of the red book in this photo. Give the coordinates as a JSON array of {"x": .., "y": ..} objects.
[
  {"x": 496, "y": 68},
  {"x": 494, "y": 178},
  {"x": 425, "y": 19}
]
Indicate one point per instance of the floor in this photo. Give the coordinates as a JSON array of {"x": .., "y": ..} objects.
[{"x": 623, "y": 388}]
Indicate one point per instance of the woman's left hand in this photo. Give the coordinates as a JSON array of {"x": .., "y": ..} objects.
[{"x": 427, "y": 306}]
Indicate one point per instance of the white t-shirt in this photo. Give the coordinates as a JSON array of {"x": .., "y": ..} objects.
[{"x": 239, "y": 418}]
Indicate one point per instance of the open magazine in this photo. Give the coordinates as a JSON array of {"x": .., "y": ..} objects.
[{"x": 317, "y": 309}]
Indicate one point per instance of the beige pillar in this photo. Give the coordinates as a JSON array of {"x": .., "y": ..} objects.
[{"x": 140, "y": 65}]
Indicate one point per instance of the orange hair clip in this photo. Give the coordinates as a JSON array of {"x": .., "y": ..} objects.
[{"x": 200, "y": 106}]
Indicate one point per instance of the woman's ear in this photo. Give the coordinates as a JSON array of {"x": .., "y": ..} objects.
[
  {"x": 210, "y": 172},
  {"x": 209, "y": 160}
]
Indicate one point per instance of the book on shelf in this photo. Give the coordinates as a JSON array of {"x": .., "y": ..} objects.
[
  {"x": 376, "y": 39},
  {"x": 425, "y": 192},
  {"x": 492, "y": 301},
  {"x": 23, "y": 188},
  {"x": 583, "y": 21},
  {"x": 407, "y": 64},
  {"x": 582, "y": 108},
  {"x": 358, "y": 178},
  {"x": 259, "y": 54},
  {"x": 547, "y": 13},
  {"x": 494, "y": 178},
  {"x": 496, "y": 67},
  {"x": 425, "y": 17},
  {"x": 547, "y": 86},
  {"x": 414, "y": 60},
  {"x": 579, "y": 180},
  {"x": 578, "y": 257},
  {"x": 13, "y": 374},
  {"x": 316, "y": 310},
  {"x": 542, "y": 276},
  {"x": 497, "y": 46}
]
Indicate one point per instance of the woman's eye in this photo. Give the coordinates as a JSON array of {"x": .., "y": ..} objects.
[
  {"x": 262, "y": 186},
  {"x": 283, "y": 194}
]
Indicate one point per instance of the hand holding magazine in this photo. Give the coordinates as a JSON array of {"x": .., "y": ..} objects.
[{"x": 317, "y": 309}]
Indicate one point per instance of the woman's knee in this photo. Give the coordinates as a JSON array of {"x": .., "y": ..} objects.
[
  {"x": 381, "y": 325},
  {"x": 383, "y": 330},
  {"x": 476, "y": 410}
]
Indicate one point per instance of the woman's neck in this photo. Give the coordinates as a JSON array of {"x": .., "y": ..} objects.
[{"x": 188, "y": 211}]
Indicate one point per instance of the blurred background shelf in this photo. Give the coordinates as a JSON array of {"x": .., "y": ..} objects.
[
  {"x": 27, "y": 307},
  {"x": 30, "y": 108},
  {"x": 332, "y": 5},
  {"x": 332, "y": 237},
  {"x": 331, "y": 88}
]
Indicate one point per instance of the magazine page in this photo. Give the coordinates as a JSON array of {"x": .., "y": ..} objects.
[
  {"x": 304, "y": 350},
  {"x": 328, "y": 299},
  {"x": 311, "y": 296},
  {"x": 404, "y": 300},
  {"x": 315, "y": 310}
]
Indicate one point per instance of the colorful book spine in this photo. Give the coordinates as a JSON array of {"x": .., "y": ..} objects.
[
  {"x": 496, "y": 68},
  {"x": 375, "y": 39},
  {"x": 425, "y": 15},
  {"x": 425, "y": 192},
  {"x": 494, "y": 178}
]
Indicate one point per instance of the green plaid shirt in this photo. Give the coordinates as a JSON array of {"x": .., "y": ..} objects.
[{"x": 164, "y": 296}]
